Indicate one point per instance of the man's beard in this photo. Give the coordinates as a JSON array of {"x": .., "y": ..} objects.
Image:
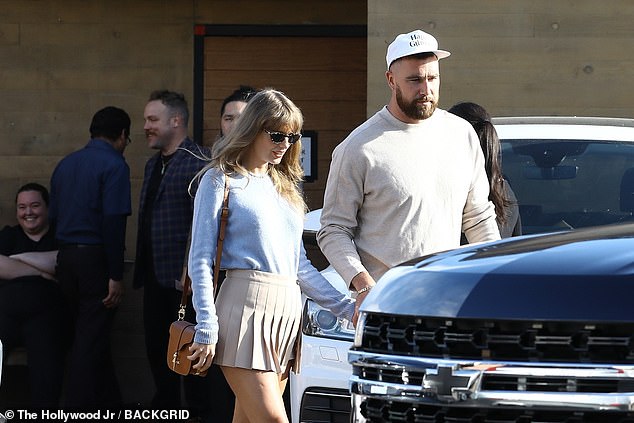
[
  {"x": 159, "y": 141},
  {"x": 415, "y": 110}
]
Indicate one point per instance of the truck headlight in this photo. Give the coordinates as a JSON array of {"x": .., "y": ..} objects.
[{"x": 318, "y": 321}]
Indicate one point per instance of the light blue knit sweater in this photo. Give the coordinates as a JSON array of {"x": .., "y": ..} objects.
[{"x": 263, "y": 233}]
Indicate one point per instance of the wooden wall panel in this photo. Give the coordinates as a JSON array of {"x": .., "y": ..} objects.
[
  {"x": 290, "y": 53},
  {"x": 324, "y": 76},
  {"x": 517, "y": 57},
  {"x": 336, "y": 12}
]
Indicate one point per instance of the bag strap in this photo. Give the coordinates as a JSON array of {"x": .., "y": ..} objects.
[{"x": 224, "y": 217}]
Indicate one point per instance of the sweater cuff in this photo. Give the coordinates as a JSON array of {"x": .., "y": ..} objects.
[
  {"x": 206, "y": 336},
  {"x": 350, "y": 272},
  {"x": 348, "y": 311}
]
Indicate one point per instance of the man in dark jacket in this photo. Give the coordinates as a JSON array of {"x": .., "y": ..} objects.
[{"x": 165, "y": 215}]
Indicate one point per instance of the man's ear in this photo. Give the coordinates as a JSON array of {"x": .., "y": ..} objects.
[{"x": 390, "y": 79}]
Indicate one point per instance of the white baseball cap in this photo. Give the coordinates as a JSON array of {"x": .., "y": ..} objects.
[{"x": 414, "y": 42}]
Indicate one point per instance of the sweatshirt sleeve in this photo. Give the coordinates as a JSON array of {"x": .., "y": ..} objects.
[{"x": 342, "y": 200}]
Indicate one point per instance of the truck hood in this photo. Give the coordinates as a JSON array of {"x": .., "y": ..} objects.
[{"x": 585, "y": 275}]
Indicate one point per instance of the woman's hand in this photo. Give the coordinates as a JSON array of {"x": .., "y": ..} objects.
[{"x": 202, "y": 355}]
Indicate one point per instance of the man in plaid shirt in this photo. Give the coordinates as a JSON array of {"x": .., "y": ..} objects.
[{"x": 165, "y": 215}]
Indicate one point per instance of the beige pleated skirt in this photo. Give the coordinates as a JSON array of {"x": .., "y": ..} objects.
[{"x": 259, "y": 317}]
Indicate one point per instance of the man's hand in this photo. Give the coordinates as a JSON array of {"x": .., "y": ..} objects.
[
  {"x": 115, "y": 294},
  {"x": 361, "y": 282}
]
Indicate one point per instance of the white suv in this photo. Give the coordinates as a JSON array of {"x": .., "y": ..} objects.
[{"x": 567, "y": 172}]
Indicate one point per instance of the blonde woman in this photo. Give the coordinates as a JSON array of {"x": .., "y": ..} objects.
[{"x": 251, "y": 329}]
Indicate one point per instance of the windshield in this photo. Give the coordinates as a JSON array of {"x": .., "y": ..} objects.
[{"x": 563, "y": 184}]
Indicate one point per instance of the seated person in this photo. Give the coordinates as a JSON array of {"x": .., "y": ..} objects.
[{"x": 32, "y": 312}]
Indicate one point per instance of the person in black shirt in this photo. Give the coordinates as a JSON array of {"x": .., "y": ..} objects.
[{"x": 32, "y": 312}]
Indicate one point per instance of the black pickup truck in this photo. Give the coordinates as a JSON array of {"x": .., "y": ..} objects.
[{"x": 532, "y": 329}]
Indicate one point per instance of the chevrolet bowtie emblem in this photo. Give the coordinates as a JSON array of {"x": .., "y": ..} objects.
[{"x": 445, "y": 381}]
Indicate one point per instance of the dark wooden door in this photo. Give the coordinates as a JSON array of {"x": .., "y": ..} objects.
[{"x": 324, "y": 75}]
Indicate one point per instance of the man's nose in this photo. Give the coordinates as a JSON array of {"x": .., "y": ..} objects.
[{"x": 424, "y": 88}]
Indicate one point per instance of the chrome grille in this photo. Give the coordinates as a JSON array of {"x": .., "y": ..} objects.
[
  {"x": 389, "y": 375},
  {"x": 555, "y": 384},
  {"x": 475, "y": 339},
  {"x": 496, "y": 382}
]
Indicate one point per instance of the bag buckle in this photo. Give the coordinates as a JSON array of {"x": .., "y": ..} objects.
[{"x": 175, "y": 360}]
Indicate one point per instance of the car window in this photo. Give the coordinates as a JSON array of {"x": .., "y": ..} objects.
[{"x": 563, "y": 184}]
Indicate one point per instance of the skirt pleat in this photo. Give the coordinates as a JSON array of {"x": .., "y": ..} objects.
[
  {"x": 290, "y": 327},
  {"x": 259, "y": 317}
]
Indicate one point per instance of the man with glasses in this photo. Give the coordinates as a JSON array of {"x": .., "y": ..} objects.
[
  {"x": 89, "y": 205},
  {"x": 165, "y": 216},
  {"x": 409, "y": 180}
]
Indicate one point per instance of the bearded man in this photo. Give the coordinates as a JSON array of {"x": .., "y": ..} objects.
[{"x": 409, "y": 180}]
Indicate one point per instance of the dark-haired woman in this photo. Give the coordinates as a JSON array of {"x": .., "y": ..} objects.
[{"x": 500, "y": 192}]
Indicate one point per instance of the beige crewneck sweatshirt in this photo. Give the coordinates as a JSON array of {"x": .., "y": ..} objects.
[{"x": 397, "y": 191}]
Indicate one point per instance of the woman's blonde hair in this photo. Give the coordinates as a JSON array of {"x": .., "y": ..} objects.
[{"x": 271, "y": 110}]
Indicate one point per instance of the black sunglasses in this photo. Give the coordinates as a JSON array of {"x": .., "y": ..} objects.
[{"x": 280, "y": 137}]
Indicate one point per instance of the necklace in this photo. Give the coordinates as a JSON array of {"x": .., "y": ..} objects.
[
  {"x": 164, "y": 162},
  {"x": 259, "y": 175}
]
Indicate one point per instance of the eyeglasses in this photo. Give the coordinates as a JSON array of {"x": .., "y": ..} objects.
[{"x": 280, "y": 137}]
